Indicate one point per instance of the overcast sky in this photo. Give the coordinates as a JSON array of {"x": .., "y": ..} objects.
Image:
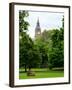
[{"x": 48, "y": 20}]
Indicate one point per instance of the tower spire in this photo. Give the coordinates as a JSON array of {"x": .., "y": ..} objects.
[
  {"x": 38, "y": 24},
  {"x": 37, "y": 29}
]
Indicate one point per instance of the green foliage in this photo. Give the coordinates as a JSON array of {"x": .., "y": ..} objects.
[
  {"x": 45, "y": 51},
  {"x": 56, "y": 55},
  {"x": 42, "y": 47},
  {"x": 63, "y": 22},
  {"x": 56, "y": 58},
  {"x": 23, "y": 25},
  {"x": 51, "y": 47},
  {"x": 34, "y": 58},
  {"x": 29, "y": 54},
  {"x": 25, "y": 44}
]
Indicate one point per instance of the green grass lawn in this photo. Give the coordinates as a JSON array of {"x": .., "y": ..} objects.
[{"x": 41, "y": 73}]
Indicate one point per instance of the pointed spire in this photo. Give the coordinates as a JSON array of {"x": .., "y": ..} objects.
[
  {"x": 38, "y": 24},
  {"x": 37, "y": 29}
]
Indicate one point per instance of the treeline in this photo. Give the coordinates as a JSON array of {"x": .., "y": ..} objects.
[
  {"x": 51, "y": 45},
  {"x": 46, "y": 51}
]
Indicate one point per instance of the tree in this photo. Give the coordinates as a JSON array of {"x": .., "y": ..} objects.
[
  {"x": 29, "y": 54},
  {"x": 41, "y": 45},
  {"x": 56, "y": 56},
  {"x": 34, "y": 58},
  {"x": 51, "y": 47},
  {"x": 44, "y": 61},
  {"x": 23, "y": 27},
  {"x": 25, "y": 44},
  {"x": 23, "y": 24}
]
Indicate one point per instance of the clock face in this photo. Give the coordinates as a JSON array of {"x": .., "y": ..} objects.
[{"x": 38, "y": 32}]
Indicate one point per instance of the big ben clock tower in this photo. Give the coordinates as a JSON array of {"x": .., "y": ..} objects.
[{"x": 37, "y": 29}]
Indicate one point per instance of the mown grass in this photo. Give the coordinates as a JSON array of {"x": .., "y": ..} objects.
[{"x": 41, "y": 73}]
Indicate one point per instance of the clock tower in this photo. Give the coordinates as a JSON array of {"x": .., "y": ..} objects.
[{"x": 37, "y": 29}]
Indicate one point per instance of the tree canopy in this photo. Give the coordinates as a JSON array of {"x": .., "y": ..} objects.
[
  {"x": 45, "y": 51},
  {"x": 29, "y": 54}
]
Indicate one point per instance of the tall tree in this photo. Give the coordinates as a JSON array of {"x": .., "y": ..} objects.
[
  {"x": 23, "y": 27},
  {"x": 42, "y": 46},
  {"x": 29, "y": 54},
  {"x": 56, "y": 56}
]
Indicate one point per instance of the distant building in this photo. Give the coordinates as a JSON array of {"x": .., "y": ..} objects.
[{"x": 37, "y": 29}]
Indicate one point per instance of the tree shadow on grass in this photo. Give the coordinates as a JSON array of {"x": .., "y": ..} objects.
[{"x": 54, "y": 70}]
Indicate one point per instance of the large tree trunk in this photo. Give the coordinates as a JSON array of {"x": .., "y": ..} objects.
[
  {"x": 29, "y": 68},
  {"x": 25, "y": 68}
]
